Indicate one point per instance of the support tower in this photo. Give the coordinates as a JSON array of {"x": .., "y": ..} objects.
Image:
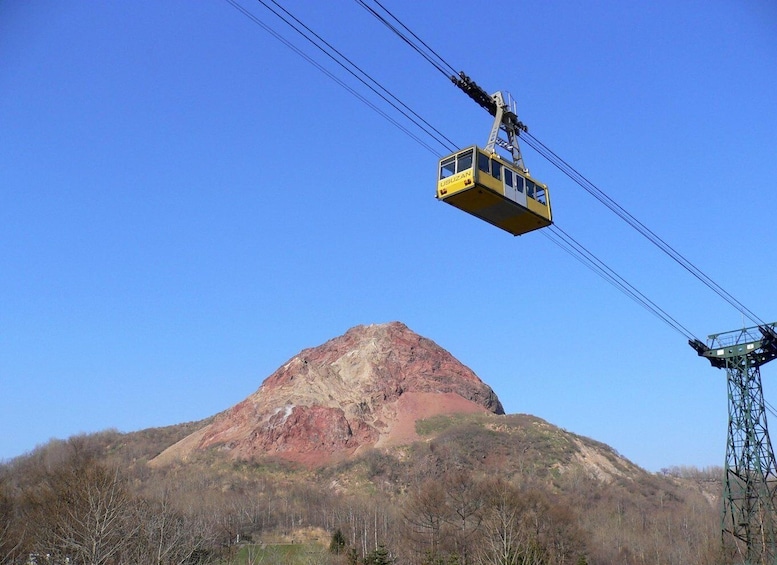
[{"x": 749, "y": 518}]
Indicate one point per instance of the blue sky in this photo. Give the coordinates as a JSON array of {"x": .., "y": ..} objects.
[{"x": 186, "y": 203}]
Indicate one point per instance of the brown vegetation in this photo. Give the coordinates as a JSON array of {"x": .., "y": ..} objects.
[{"x": 475, "y": 489}]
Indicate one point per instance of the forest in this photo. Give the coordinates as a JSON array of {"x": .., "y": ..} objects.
[{"x": 468, "y": 495}]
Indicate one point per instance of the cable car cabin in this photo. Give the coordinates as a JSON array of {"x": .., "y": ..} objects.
[{"x": 492, "y": 189}]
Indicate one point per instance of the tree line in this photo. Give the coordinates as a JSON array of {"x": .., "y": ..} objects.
[{"x": 70, "y": 503}]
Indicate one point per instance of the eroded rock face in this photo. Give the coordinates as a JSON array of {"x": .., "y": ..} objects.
[{"x": 364, "y": 388}]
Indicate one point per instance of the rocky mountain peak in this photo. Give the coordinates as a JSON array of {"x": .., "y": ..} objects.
[{"x": 365, "y": 388}]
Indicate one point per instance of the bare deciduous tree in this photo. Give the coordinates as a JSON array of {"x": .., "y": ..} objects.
[
  {"x": 166, "y": 536},
  {"x": 425, "y": 512},
  {"x": 10, "y": 540},
  {"x": 84, "y": 512},
  {"x": 465, "y": 499}
]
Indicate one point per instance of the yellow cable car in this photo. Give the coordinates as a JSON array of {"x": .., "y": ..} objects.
[
  {"x": 483, "y": 183},
  {"x": 492, "y": 189}
]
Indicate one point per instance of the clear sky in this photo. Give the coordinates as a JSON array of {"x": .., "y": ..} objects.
[{"x": 186, "y": 203}]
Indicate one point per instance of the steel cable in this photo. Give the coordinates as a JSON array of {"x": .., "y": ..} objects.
[
  {"x": 429, "y": 56},
  {"x": 333, "y": 77},
  {"x": 641, "y": 228},
  {"x": 587, "y": 185},
  {"x": 558, "y": 237}
]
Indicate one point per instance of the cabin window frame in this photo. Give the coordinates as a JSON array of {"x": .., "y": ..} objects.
[
  {"x": 496, "y": 169},
  {"x": 520, "y": 182},
  {"x": 447, "y": 165},
  {"x": 464, "y": 160},
  {"x": 541, "y": 195},
  {"x": 509, "y": 177},
  {"x": 454, "y": 164},
  {"x": 484, "y": 163}
]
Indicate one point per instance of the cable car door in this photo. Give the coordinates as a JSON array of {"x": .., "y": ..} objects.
[{"x": 514, "y": 188}]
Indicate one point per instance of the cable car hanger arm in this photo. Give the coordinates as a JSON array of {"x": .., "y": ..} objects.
[{"x": 504, "y": 117}]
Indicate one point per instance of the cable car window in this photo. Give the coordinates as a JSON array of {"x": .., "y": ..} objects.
[
  {"x": 519, "y": 183},
  {"x": 496, "y": 170},
  {"x": 508, "y": 177},
  {"x": 483, "y": 163},
  {"x": 464, "y": 161},
  {"x": 447, "y": 168},
  {"x": 541, "y": 196},
  {"x": 529, "y": 188}
]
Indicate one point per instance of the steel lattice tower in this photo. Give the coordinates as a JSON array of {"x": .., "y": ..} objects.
[{"x": 749, "y": 517}]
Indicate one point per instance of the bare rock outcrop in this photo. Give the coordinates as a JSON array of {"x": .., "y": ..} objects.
[{"x": 362, "y": 389}]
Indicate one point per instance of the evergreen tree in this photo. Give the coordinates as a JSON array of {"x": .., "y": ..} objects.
[
  {"x": 337, "y": 544},
  {"x": 380, "y": 556}
]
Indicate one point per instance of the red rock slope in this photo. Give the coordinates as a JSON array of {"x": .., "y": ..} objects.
[{"x": 365, "y": 388}]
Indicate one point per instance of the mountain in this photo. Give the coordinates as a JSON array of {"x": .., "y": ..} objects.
[
  {"x": 366, "y": 388},
  {"x": 380, "y": 435}
]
